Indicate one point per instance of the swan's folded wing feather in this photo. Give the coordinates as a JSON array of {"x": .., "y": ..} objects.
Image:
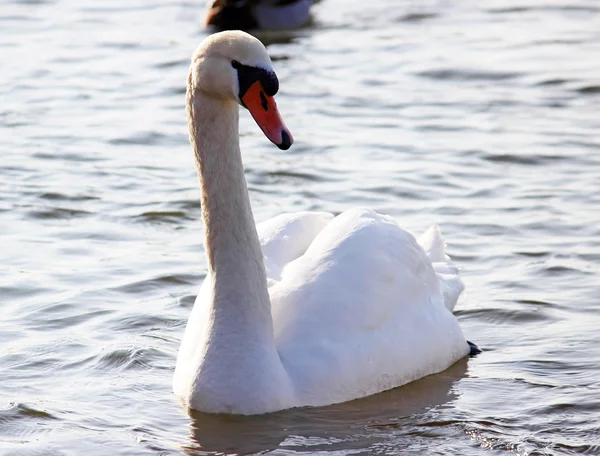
[
  {"x": 287, "y": 236},
  {"x": 433, "y": 243},
  {"x": 355, "y": 273},
  {"x": 362, "y": 311},
  {"x": 451, "y": 284}
]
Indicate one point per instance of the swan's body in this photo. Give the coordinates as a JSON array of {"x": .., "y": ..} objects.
[
  {"x": 258, "y": 14},
  {"x": 306, "y": 309}
]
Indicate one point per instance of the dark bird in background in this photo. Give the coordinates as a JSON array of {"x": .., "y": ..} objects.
[{"x": 258, "y": 14}]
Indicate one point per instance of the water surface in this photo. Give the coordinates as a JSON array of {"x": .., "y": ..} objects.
[{"x": 480, "y": 116}]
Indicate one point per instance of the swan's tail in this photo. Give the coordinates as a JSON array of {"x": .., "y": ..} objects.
[{"x": 434, "y": 245}]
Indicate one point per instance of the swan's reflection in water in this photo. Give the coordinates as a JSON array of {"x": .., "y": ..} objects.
[{"x": 337, "y": 426}]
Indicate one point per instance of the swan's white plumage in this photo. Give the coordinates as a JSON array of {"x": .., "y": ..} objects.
[
  {"x": 434, "y": 245},
  {"x": 287, "y": 236},
  {"x": 361, "y": 311},
  {"x": 358, "y": 305},
  {"x": 307, "y": 309}
]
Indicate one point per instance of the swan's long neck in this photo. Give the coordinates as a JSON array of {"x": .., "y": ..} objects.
[{"x": 240, "y": 300}]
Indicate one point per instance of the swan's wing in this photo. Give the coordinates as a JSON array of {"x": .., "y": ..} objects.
[
  {"x": 287, "y": 236},
  {"x": 451, "y": 285},
  {"x": 356, "y": 272},
  {"x": 362, "y": 311}
]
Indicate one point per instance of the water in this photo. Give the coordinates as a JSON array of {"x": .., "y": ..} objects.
[{"x": 480, "y": 116}]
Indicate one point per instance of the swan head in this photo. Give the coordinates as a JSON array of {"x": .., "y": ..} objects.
[{"x": 235, "y": 66}]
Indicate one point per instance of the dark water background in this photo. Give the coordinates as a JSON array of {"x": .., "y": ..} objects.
[{"x": 481, "y": 116}]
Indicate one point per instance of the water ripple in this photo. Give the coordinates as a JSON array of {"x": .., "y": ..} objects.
[{"x": 481, "y": 117}]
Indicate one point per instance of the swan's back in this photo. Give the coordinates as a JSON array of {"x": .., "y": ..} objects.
[{"x": 361, "y": 311}]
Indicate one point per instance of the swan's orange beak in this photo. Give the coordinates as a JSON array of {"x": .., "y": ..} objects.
[{"x": 264, "y": 111}]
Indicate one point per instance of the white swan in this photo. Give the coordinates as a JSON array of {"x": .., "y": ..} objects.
[{"x": 305, "y": 309}]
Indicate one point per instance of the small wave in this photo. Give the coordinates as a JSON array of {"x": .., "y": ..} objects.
[
  {"x": 540, "y": 254},
  {"x": 66, "y": 319},
  {"x": 559, "y": 270},
  {"x": 52, "y": 196},
  {"x": 132, "y": 358},
  {"x": 540, "y": 8},
  {"x": 162, "y": 282},
  {"x": 416, "y": 17},
  {"x": 505, "y": 316},
  {"x": 522, "y": 159},
  {"x": 21, "y": 423},
  {"x": 553, "y": 82},
  {"x": 172, "y": 64},
  {"x": 295, "y": 175},
  {"x": 468, "y": 75},
  {"x": 17, "y": 411},
  {"x": 589, "y": 90},
  {"x": 74, "y": 157},
  {"x": 163, "y": 216},
  {"x": 149, "y": 138},
  {"x": 58, "y": 213},
  {"x": 189, "y": 299},
  {"x": 141, "y": 322},
  {"x": 538, "y": 303}
]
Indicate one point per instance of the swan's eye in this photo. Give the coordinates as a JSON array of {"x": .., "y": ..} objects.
[
  {"x": 235, "y": 64},
  {"x": 263, "y": 101}
]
